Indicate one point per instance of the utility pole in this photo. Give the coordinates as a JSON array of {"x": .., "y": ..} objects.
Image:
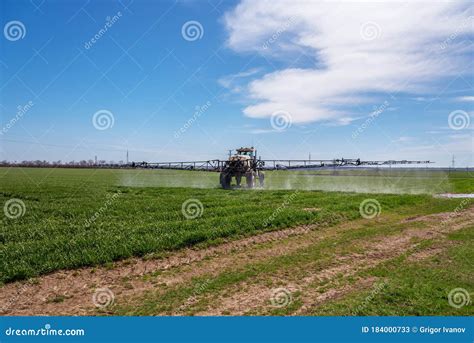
[
  {"x": 230, "y": 153},
  {"x": 309, "y": 157},
  {"x": 95, "y": 163},
  {"x": 127, "y": 157}
]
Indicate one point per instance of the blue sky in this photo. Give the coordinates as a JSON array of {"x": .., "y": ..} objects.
[{"x": 291, "y": 78}]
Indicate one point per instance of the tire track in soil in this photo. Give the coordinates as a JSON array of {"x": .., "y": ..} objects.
[
  {"x": 256, "y": 297},
  {"x": 70, "y": 292},
  {"x": 73, "y": 289}
]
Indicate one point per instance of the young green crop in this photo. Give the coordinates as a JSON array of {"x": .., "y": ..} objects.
[{"x": 84, "y": 217}]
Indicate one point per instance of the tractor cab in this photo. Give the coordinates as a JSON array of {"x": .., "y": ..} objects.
[
  {"x": 244, "y": 154},
  {"x": 250, "y": 152}
]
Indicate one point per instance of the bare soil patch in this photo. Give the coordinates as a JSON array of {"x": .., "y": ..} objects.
[
  {"x": 247, "y": 298},
  {"x": 70, "y": 292}
]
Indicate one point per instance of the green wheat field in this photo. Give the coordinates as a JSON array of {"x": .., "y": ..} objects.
[{"x": 86, "y": 217}]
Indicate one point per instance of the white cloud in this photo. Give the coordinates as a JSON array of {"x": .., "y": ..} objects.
[
  {"x": 230, "y": 81},
  {"x": 424, "y": 99},
  {"x": 465, "y": 98},
  {"x": 263, "y": 131},
  {"x": 403, "y": 139},
  {"x": 343, "y": 121},
  {"x": 359, "y": 49}
]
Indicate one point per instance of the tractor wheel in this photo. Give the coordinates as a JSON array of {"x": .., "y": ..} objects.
[
  {"x": 250, "y": 180},
  {"x": 238, "y": 179},
  {"x": 225, "y": 179}
]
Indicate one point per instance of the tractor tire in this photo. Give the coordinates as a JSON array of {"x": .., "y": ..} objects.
[
  {"x": 225, "y": 179},
  {"x": 238, "y": 180},
  {"x": 250, "y": 180}
]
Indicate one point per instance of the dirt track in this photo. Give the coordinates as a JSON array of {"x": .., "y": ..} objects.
[{"x": 71, "y": 292}]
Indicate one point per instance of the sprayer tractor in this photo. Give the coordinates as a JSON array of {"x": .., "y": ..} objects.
[{"x": 245, "y": 164}]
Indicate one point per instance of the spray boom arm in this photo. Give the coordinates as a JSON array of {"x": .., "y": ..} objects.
[{"x": 218, "y": 165}]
